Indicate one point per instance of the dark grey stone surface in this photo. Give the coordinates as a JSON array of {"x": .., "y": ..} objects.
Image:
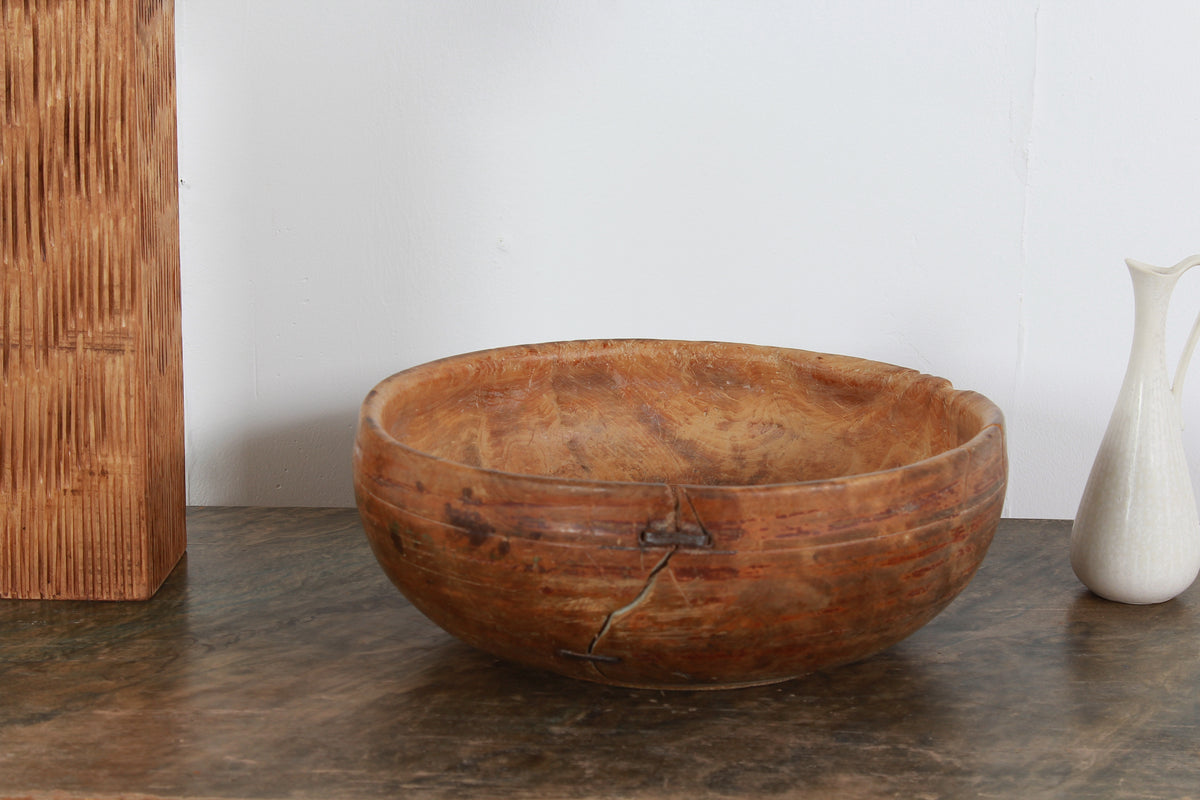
[{"x": 277, "y": 661}]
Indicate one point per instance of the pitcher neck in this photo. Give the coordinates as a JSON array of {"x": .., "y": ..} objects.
[{"x": 1152, "y": 297}]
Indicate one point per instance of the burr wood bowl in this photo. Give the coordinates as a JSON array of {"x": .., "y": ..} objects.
[{"x": 677, "y": 515}]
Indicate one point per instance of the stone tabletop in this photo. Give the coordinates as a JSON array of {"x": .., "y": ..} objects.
[{"x": 278, "y": 662}]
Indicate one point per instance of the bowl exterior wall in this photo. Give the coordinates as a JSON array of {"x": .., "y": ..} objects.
[{"x": 668, "y": 586}]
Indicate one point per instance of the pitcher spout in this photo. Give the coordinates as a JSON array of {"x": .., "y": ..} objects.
[{"x": 1175, "y": 271}]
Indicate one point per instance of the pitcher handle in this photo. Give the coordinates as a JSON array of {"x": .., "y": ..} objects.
[{"x": 1185, "y": 358}]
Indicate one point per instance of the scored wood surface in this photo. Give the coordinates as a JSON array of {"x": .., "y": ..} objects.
[
  {"x": 91, "y": 425},
  {"x": 677, "y": 514}
]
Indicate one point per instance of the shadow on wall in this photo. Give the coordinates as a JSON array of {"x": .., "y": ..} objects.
[{"x": 305, "y": 462}]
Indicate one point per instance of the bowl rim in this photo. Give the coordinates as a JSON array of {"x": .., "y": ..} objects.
[{"x": 372, "y": 406}]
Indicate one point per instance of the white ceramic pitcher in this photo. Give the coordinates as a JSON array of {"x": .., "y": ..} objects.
[{"x": 1136, "y": 537}]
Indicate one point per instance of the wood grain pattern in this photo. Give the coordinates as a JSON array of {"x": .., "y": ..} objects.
[
  {"x": 91, "y": 425},
  {"x": 677, "y": 514}
]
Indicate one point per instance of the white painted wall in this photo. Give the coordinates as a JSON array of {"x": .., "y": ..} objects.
[{"x": 370, "y": 184}]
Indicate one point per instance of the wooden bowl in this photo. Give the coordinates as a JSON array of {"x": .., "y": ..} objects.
[{"x": 677, "y": 514}]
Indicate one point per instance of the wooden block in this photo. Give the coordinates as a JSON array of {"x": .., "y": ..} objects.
[{"x": 91, "y": 385}]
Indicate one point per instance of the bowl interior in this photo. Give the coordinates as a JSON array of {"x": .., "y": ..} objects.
[{"x": 673, "y": 412}]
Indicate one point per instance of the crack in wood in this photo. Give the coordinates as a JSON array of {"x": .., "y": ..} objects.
[{"x": 630, "y": 606}]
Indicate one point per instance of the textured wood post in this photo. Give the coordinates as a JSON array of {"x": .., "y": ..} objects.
[{"x": 91, "y": 401}]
